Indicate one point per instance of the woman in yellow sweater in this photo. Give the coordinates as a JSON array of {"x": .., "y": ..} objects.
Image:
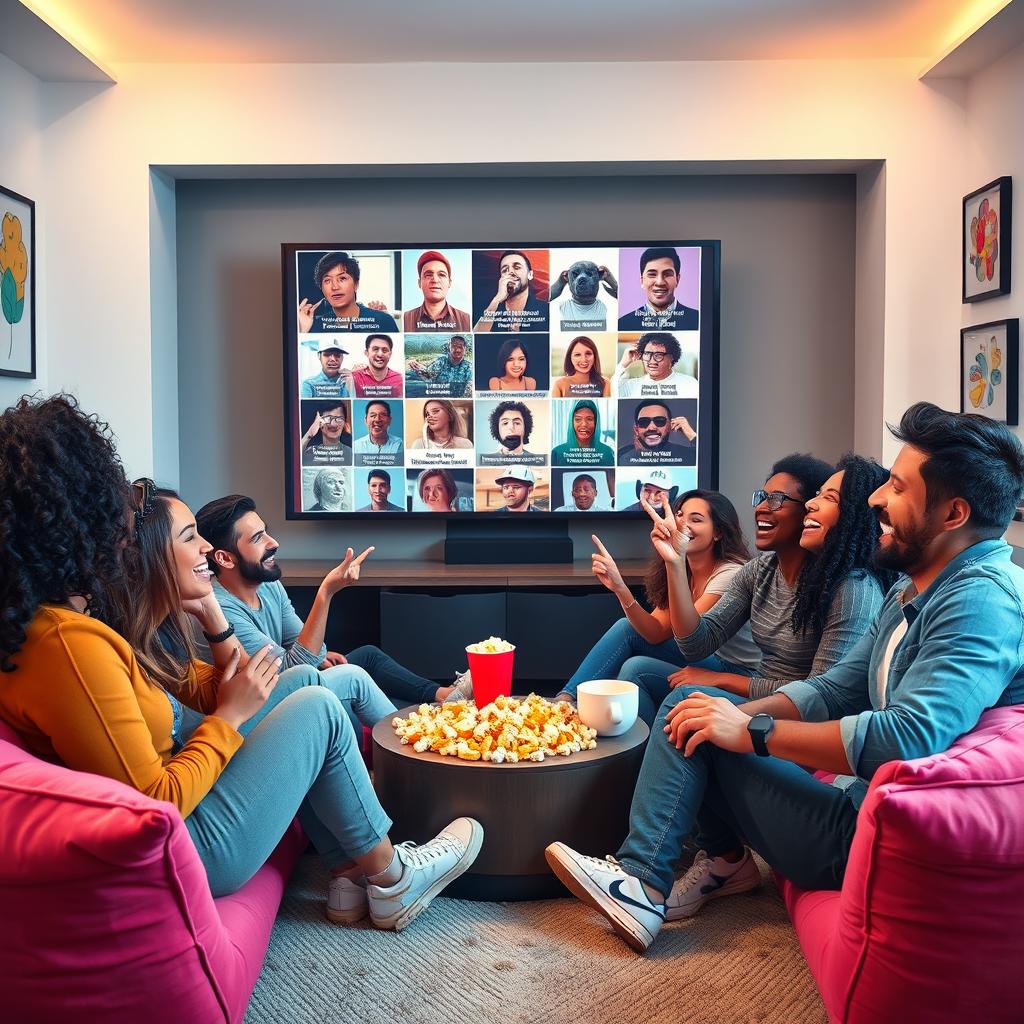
[{"x": 77, "y": 551}]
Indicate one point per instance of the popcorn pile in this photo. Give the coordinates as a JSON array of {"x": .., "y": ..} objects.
[{"x": 505, "y": 731}]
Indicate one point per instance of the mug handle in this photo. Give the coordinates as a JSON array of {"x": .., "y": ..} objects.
[{"x": 615, "y": 710}]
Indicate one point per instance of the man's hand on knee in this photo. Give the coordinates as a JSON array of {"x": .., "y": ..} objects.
[{"x": 700, "y": 718}]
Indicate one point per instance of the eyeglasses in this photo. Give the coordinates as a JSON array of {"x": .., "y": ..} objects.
[
  {"x": 332, "y": 420},
  {"x": 775, "y": 499},
  {"x": 646, "y": 421},
  {"x": 654, "y": 357},
  {"x": 147, "y": 494}
]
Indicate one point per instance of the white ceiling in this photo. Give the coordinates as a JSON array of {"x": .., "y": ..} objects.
[{"x": 484, "y": 31}]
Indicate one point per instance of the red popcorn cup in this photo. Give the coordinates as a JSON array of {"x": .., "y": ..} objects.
[{"x": 492, "y": 675}]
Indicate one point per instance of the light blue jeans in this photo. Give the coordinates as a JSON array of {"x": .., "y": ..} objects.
[
  {"x": 300, "y": 756},
  {"x": 800, "y": 826},
  {"x": 651, "y": 676}
]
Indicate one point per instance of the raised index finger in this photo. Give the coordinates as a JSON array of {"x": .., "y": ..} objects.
[
  {"x": 368, "y": 551},
  {"x": 600, "y": 547}
]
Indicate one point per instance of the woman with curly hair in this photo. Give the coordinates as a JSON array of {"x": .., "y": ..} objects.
[
  {"x": 715, "y": 554},
  {"x": 81, "y": 553},
  {"x": 809, "y": 596}
]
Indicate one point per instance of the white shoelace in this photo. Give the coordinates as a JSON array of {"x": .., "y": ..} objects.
[{"x": 418, "y": 856}]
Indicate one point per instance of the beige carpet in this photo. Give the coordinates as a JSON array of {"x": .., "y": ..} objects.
[{"x": 524, "y": 963}]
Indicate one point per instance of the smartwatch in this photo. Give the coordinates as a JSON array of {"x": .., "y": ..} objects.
[{"x": 760, "y": 728}]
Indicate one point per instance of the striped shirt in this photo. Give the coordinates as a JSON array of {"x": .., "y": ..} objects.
[{"x": 759, "y": 593}]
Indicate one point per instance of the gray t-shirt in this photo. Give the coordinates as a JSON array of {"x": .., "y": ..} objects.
[
  {"x": 759, "y": 593},
  {"x": 740, "y": 648}
]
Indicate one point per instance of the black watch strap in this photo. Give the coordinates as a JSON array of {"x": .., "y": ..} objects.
[
  {"x": 760, "y": 728},
  {"x": 219, "y": 638}
]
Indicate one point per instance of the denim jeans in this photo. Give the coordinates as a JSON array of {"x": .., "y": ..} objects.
[
  {"x": 651, "y": 677},
  {"x": 802, "y": 827},
  {"x": 300, "y": 756},
  {"x": 394, "y": 679},
  {"x": 620, "y": 643}
]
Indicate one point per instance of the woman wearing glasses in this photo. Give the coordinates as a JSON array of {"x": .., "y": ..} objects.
[
  {"x": 90, "y": 683},
  {"x": 809, "y": 595},
  {"x": 327, "y": 437}
]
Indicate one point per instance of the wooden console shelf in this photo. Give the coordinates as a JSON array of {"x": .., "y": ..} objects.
[{"x": 303, "y": 573}]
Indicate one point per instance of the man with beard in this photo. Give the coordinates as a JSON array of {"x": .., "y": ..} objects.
[
  {"x": 946, "y": 645},
  {"x": 517, "y": 484},
  {"x": 434, "y": 276},
  {"x": 374, "y": 379},
  {"x": 514, "y": 306},
  {"x": 248, "y": 588},
  {"x": 511, "y": 426},
  {"x": 652, "y": 423}
]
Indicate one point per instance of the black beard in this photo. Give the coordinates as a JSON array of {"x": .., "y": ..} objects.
[
  {"x": 909, "y": 558},
  {"x": 253, "y": 572},
  {"x": 512, "y": 441}
]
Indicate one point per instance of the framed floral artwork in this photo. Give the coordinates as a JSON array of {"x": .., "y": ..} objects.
[
  {"x": 985, "y": 260},
  {"x": 17, "y": 285},
  {"x": 989, "y": 375}
]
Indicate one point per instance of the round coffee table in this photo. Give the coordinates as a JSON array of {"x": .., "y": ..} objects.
[{"x": 583, "y": 800}]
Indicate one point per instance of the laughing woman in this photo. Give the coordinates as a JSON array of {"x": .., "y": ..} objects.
[{"x": 809, "y": 595}]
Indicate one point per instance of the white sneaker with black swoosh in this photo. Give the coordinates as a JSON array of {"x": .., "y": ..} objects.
[
  {"x": 603, "y": 884},
  {"x": 707, "y": 879}
]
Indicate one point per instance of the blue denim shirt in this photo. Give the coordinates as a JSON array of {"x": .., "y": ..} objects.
[{"x": 963, "y": 652}]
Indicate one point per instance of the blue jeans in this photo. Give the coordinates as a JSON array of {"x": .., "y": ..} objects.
[
  {"x": 651, "y": 677},
  {"x": 394, "y": 679},
  {"x": 300, "y": 756},
  {"x": 619, "y": 643},
  {"x": 800, "y": 826}
]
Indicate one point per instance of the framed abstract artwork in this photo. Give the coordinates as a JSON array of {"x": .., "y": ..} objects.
[
  {"x": 17, "y": 285},
  {"x": 989, "y": 370},
  {"x": 985, "y": 259}
]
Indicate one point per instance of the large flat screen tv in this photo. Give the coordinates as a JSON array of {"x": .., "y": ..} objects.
[{"x": 470, "y": 380}]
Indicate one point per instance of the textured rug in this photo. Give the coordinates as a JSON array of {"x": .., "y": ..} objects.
[{"x": 553, "y": 961}]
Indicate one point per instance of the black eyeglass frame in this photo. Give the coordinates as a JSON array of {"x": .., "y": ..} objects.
[{"x": 775, "y": 499}]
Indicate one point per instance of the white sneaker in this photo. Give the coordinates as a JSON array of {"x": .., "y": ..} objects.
[
  {"x": 346, "y": 899},
  {"x": 603, "y": 884},
  {"x": 707, "y": 879},
  {"x": 463, "y": 688},
  {"x": 426, "y": 870}
]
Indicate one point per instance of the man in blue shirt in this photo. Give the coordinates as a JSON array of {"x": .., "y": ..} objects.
[{"x": 948, "y": 643}]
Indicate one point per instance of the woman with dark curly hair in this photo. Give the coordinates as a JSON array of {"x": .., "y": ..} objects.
[
  {"x": 809, "y": 597},
  {"x": 715, "y": 554},
  {"x": 79, "y": 693}
]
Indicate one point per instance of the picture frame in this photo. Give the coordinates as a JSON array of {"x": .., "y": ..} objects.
[
  {"x": 986, "y": 241},
  {"x": 17, "y": 285},
  {"x": 990, "y": 370}
]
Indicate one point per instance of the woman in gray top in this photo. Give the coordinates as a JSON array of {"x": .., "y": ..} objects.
[{"x": 809, "y": 595}]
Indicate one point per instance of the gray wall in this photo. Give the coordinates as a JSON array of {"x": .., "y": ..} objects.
[{"x": 787, "y": 322}]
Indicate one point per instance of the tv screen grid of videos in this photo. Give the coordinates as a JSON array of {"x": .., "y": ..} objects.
[{"x": 560, "y": 379}]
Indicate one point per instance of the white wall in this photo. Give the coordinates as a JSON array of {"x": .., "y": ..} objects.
[
  {"x": 22, "y": 171},
  {"x": 101, "y": 141}
]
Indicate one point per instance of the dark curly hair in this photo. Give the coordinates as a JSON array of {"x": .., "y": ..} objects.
[
  {"x": 809, "y": 472},
  {"x": 63, "y": 514},
  {"x": 503, "y": 407},
  {"x": 672, "y": 346},
  {"x": 730, "y": 546},
  {"x": 849, "y": 546}
]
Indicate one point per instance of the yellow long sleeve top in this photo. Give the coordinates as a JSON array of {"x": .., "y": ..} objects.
[{"x": 79, "y": 697}]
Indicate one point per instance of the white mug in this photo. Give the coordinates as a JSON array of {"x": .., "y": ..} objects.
[{"x": 608, "y": 705}]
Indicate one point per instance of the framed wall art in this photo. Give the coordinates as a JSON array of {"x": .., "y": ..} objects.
[
  {"x": 985, "y": 259},
  {"x": 989, "y": 370},
  {"x": 17, "y": 285}
]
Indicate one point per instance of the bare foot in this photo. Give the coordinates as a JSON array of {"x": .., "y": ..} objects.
[{"x": 442, "y": 692}]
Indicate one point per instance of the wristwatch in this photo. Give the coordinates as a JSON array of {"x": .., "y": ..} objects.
[{"x": 760, "y": 728}]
